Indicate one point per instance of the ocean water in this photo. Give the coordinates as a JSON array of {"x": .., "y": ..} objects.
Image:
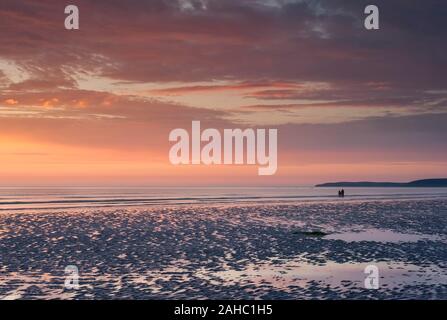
[{"x": 78, "y": 197}]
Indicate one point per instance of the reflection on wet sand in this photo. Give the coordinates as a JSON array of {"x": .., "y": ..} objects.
[{"x": 228, "y": 251}]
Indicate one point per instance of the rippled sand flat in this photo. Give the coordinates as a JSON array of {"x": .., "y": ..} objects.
[{"x": 313, "y": 250}]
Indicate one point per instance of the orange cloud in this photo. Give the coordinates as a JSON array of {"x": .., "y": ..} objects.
[
  {"x": 49, "y": 103},
  {"x": 81, "y": 103},
  {"x": 241, "y": 86},
  {"x": 11, "y": 102}
]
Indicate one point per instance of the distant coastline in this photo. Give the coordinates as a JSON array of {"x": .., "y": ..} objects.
[{"x": 425, "y": 183}]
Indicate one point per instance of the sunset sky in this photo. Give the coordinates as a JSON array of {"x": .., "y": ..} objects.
[{"x": 95, "y": 106}]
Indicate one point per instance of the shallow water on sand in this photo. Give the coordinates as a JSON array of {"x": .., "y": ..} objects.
[
  {"x": 385, "y": 236},
  {"x": 228, "y": 251}
]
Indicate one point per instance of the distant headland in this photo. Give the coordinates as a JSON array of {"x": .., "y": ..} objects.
[{"x": 426, "y": 183}]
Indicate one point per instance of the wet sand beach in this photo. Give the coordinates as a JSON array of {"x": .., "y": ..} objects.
[{"x": 280, "y": 250}]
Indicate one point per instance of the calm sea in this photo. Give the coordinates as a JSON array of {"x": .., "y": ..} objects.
[{"x": 78, "y": 197}]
